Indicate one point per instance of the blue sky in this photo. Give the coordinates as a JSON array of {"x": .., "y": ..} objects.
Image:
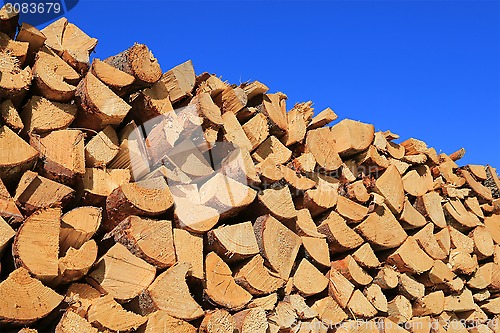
[{"x": 423, "y": 69}]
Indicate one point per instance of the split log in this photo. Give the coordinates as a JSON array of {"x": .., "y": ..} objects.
[
  {"x": 219, "y": 321},
  {"x": 118, "y": 81},
  {"x": 460, "y": 302},
  {"x": 63, "y": 154},
  {"x": 8, "y": 208},
  {"x": 251, "y": 320},
  {"x": 410, "y": 288},
  {"x": 275, "y": 240},
  {"x": 301, "y": 308},
  {"x": 340, "y": 237},
  {"x": 372, "y": 160},
  {"x": 352, "y": 137},
  {"x": 106, "y": 313},
  {"x": 78, "y": 226},
  {"x": 351, "y": 210},
  {"x": 329, "y": 311},
  {"x": 308, "y": 280},
  {"x": 428, "y": 242},
  {"x": 102, "y": 148},
  {"x": 376, "y": 297},
  {"x": 137, "y": 199},
  {"x": 492, "y": 224},
  {"x": 352, "y": 271},
  {"x": 270, "y": 171},
  {"x": 256, "y": 130},
  {"x": 35, "y": 39},
  {"x": 272, "y": 147},
  {"x": 390, "y": 185},
  {"x": 357, "y": 191},
  {"x": 387, "y": 278},
  {"x": 139, "y": 62},
  {"x": 409, "y": 257},
  {"x": 234, "y": 132},
  {"x": 478, "y": 188},
  {"x": 234, "y": 242},
  {"x": 321, "y": 143},
  {"x": 399, "y": 309},
  {"x": 121, "y": 274},
  {"x": 304, "y": 163},
  {"x": 77, "y": 262},
  {"x": 483, "y": 242},
  {"x": 97, "y": 99},
  {"x": 381, "y": 229},
  {"x": 360, "y": 307},
  {"x": 316, "y": 250},
  {"x": 274, "y": 107},
  {"x": 41, "y": 115},
  {"x": 459, "y": 215},
  {"x": 192, "y": 216},
  {"x": 482, "y": 278},
  {"x": 492, "y": 306},
  {"x": 283, "y": 317},
  {"x": 25, "y": 299},
  {"x": 16, "y": 156},
  {"x": 9, "y": 19},
  {"x": 150, "y": 240},
  {"x": 39, "y": 256},
  {"x": 188, "y": 158},
  {"x": 339, "y": 287},
  {"x": 277, "y": 202},
  {"x": 322, "y": 119},
  {"x": 305, "y": 225},
  {"x": 189, "y": 249},
  {"x": 472, "y": 205},
  {"x": 70, "y": 321},
  {"x": 238, "y": 165},
  {"x": 365, "y": 256},
  {"x": 431, "y": 304},
  {"x": 6, "y": 234},
  {"x": 297, "y": 124},
  {"x": 15, "y": 81},
  {"x": 462, "y": 262},
  {"x": 254, "y": 89},
  {"x": 10, "y": 116},
  {"x": 319, "y": 199},
  {"x": 461, "y": 241},
  {"x": 256, "y": 278},
  {"x": 411, "y": 217},
  {"x": 418, "y": 181},
  {"x": 231, "y": 100},
  {"x": 221, "y": 287},
  {"x": 296, "y": 181},
  {"x": 430, "y": 205},
  {"x": 97, "y": 184},
  {"x": 268, "y": 303}
]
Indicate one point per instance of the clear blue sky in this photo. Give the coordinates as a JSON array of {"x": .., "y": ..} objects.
[{"x": 423, "y": 69}]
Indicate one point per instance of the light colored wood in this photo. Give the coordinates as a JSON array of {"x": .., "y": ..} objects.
[
  {"x": 6, "y": 234},
  {"x": 305, "y": 225},
  {"x": 15, "y": 81},
  {"x": 322, "y": 119},
  {"x": 63, "y": 154},
  {"x": 10, "y": 116},
  {"x": 409, "y": 287},
  {"x": 360, "y": 307},
  {"x": 304, "y": 163},
  {"x": 371, "y": 159},
  {"x": 481, "y": 190},
  {"x": 39, "y": 255},
  {"x": 381, "y": 229},
  {"x": 71, "y": 321},
  {"x": 492, "y": 306},
  {"x": 25, "y": 299},
  {"x": 365, "y": 256},
  {"x": 189, "y": 249},
  {"x": 254, "y": 89},
  {"x": 301, "y": 308},
  {"x": 97, "y": 184},
  {"x": 150, "y": 240},
  {"x": 267, "y": 303},
  {"x": 431, "y": 304},
  {"x": 233, "y": 132},
  {"x": 256, "y": 278},
  {"x": 35, "y": 39},
  {"x": 321, "y": 144},
  {"x": 399, "y": 309},
  {"x": 418, "y": 181},
  {"x": 316, "y": 250},
  {"x": 443, "y": 239},
  {"x": 283, "y": 316},
  {"x": 162, "y": 322},
  {"x": 319, "y": 199},
  {"x": 8, "y": 209},
  {"x": 179, "y": 303},
  {"x": 274, "y": 107},
  {"x": 390, "y": 185},
  {"x": 102, "y": 148},
  {"x": 192, "y": 216},
  {"x": 339, "y": 287},
  {"x": 351, "y": 210},
  {"x": 238, "y": 165},
  {"x": 269, "y": 171},
  {"x": 107, "y": 313},
  {"x": 41, "y": 115},
  {"x": 308, "y": 280},
  {"x": 459, "y": 215},
  {"x": 411, "y": 217},
  {"x": 77, "y": 262},
  {"x": 16, "y": 156},
  {"x": 409, "y": 257},
  {"x": 251, "y": 320},
  {"x": 352, "y": 271},
  {"x": 147, "y": 199},
  {"x": 376, "y": 297},
  {"x": 231, "y": 100},
  {"x": 473, "y": 206},
  {"x": 492, "y": 224},
  {"x": 121, "y": 274},
  {"x": 221, "y": 287},
  {"x": 482, "y": 278},
  {"x": 387, "y": 278},
  {"x": 233, "y": 242},
  {"x": 277, "y": 244},
  {"x": 297, "y": 123},
  {"x": 329, "y": 311},
  {"x": 428, "y": 242},
  {"x": 115, "y": 79},
  {"x": 460, "y": 302},
  {"x": 8, "y": 21},
  {"x": 217, "y": 321},
  {"x": 352, "y": 136},
  {"x": 462, "y": 262},
  {"x": 483, "y": 242},
  {"x": 357, "y": 191},
  {"x": 277, "y": 202},
  {"x": 461, "y": 241},
  {"x": 297, "y": 183},
  {"x": 479, "y": 171},
  {"x": 430, "y": 205},
  {"x": 256, "y": 130},
  {"x": 339, "y": 235},
  {"x": 272, "y": 147}
]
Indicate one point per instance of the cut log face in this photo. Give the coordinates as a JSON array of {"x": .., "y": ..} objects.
[
  {"x": 274, "y": 107},
  {"x": 233, "y": 132},
  {"x": 339, "y": 287},
  {"x": 460, "y": 215},
  {"x": 320, "y": 199},
  {"x": 381, "y": 229},
  {"x": 409, "y": 257},
  {"x": 70, "y": 320},
  {"x": 492, "y": 224},
  {"x": 234, "y": 242},
  {"x": 322, "y": 119},
  {"x": 308, "y": 280},
  {"x": 16, "y": 156},
  {"x": 121, "y": 274},
  {"x": 387, "y": 278},
  {"x": 428, "y": 242},
  {"x": 139, "y": 62},
  {"x": 15, "y": 81},
  {"x": 8, "y": 21},
  {"x": 272, "y": 147},
  {"x": 256, "y": 130},
  {"x": 329, "y": 311},
  {"x": 481, "y": 190},
  {"x": 77, "y": 262},
  {"x": 483, "y": 242},
  {"x": 217, "y": 321},
  {"x": 365, "y": 256},
  {"x": 462, "y": 262},
  {"x": 115, "y": 79},
  {"x": 98, "y": 184},
  {"x": 108, "y": 314},
  {"x": 390, "y": 185},
  {"x": 102, "y": 148},
  {"x": 340, "y": 237},
  {"x": 256, "y": 278},
  {"x": 351, "y": 210},
  {"x": 316, "y": 250},
  {"x": 221, "y": 287},
  {"x": 10, "y": 116},
  {"x": 8, "y": 208},
  {"x": 39, "y": 256},
  {"x": 96, "y": 98},
  {"x": 25, "y": 299},
  {"x": 189, "y": 249},
  {"x": 35, "y": 39},
  {"x": 410, "y": 288},
  {"x": 180, "y": 81},
  {"x": 431, "y": 304},
  {"x": 352, "y": 271},
  {"x": 150, "y": 240},
  {"x": 376, "y": 297},
  {"x": 418, "y": 181},
  {"x": 41, "y": 115},
  {"x": 277, "y": 202},
  {"x": 359, "y": 306},
  {"x": 430, "y": 206},
  {"x": 277, "y": 244},
  {"x": 399, "y": 309},
  {"x": 268, "y": 303},
  {"x": 321, "y": 144},
  {"x": 6, "y": 234},
  {"x": 63, "y": 154}
]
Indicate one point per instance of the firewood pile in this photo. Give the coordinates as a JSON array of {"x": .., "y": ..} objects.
[{"x": 133, "y": 199}]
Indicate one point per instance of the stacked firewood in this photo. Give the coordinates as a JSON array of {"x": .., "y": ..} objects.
[{"x": 133, "y": 199}]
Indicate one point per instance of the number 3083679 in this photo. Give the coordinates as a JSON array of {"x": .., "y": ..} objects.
[{"x": 33, "y": 7}]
